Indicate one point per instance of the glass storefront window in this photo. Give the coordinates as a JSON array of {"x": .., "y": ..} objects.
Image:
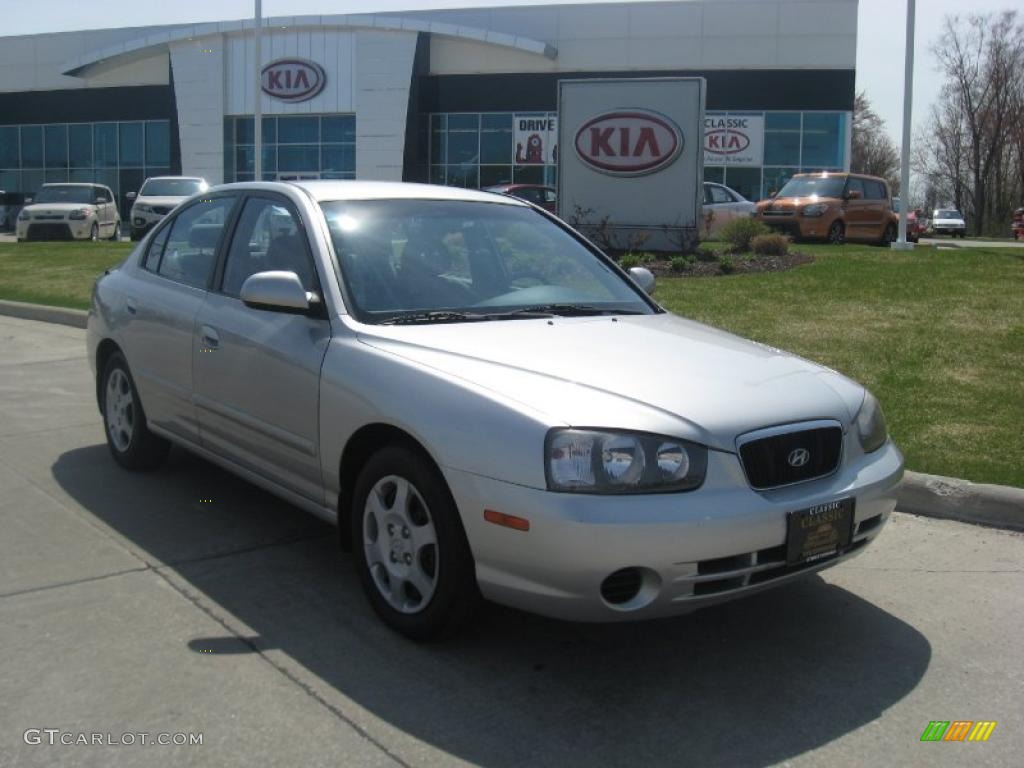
[
  {"x": 158, "y": 143},
  {"x": 338, "y": 129},
  {"x": 298, "y": 157},
  {"x": 10, "y": 147},
  {"x": 105, "y": 145},
  {"x": 56, "y": 138},
  {"x": 298, "y": 130},
  {"x": 80, "y": 145},
  {"x": 130, "y": 144},
  {"x": 31, "y": 146},
  {"x": 715, "y": 173},
  {"x": 781, "y": 148},
  {"x": 823, "y": 139},
  {"x": 746, "y": 181},
  {"x": 322, "y": 145}
]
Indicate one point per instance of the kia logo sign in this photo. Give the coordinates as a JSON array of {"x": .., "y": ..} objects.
[
  {"x": 293, "y": 79},
  {"x": 723, "y": 141},
  {"x": 629, "y": 142}
]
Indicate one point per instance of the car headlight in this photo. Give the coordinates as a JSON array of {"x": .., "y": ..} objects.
[
  {"x": 818, "y": 209},
  {"x": 871, "y": 424},
  {"x": 79, "y": 215},
  {"x": 599, "y": 461},
  {"x": 24, "y": 216}
]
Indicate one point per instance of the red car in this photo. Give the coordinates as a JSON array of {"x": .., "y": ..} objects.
[
  {"x": 1017, "y": 225},
  {"x": 916, "y": 225},
  {"x": 538, "y": 194}
]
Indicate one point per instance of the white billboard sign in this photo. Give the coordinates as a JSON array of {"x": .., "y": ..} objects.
[
  {"x": 536, "y": 139},
  {"x": 630, "y": 163},
  {"x": 733, "y": 140}
]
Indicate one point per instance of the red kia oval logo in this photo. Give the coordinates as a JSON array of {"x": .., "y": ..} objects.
[
  {"x": 293, "y": 79},
  {"x": 723, "y": 141},
  {"x": 629, "y": 142}
]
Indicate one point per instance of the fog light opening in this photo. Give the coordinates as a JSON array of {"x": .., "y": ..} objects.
[{"x": 628, "y": 589}]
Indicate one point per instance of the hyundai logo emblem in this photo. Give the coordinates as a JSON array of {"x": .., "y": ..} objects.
[{"x": 798, "y": 457}]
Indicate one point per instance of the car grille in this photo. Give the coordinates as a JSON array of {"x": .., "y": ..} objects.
[
  {"x": 769, "y": 461},
  {"x": 163, "y": 210},
  {"x": 49, "y": 232},
  {"x": 770, "y": 212},
  {"x": 49, "y": 217},
  {"x": 726, "y": 574}
]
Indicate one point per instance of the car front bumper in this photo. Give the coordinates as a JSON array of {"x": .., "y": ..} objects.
[
  {"x": 55, "y": 229},
  {"x": 799, "y": 227},
  {"x": 723, "y": 541}
]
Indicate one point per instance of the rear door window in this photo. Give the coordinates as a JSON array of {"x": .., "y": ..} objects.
[{"x": 191, "y": 250}]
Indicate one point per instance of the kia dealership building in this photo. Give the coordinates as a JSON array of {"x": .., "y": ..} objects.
[{"x": 463, "y": 97}]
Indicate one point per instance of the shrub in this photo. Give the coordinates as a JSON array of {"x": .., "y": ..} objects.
[
  {"x": 727, "y": 265},
  {"x": 681, "y": 263},
  {"x": 629, "y": 261},
  {"x": 739, "y": 232},
  {"x": 770, "y": 245},
  {"x": 705, "y": 254}
]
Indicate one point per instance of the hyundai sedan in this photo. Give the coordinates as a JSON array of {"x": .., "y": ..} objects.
[{"x": 487, "y": 406}]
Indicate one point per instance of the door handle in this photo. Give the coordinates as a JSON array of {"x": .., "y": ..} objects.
[
  {"x": 131, "y": 306},
  {"x": 209, "y": 336}
]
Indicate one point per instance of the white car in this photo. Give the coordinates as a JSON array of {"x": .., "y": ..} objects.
[
  {"x": 948, "y": 221},
  {"x": 722, "y": 205},
  {"x": 70, "y": 212},
  {"x": 159, "y": 196}
]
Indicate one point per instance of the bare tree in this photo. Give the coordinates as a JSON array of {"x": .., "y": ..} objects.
[
  {"x": 970, "y": 149},
  {"x": 872, "y": 151}
]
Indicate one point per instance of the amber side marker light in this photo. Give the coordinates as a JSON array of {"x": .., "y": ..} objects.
[{"x": 508, "y": 521}]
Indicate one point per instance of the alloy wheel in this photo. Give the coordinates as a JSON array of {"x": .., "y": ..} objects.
[
  {"x": 400, "y": 544},
  {"x": 119, "y": 408}
]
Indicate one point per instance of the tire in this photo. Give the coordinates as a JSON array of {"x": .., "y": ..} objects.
[
  {"x": 890, "y": 234},
  {"x": 130, "y": 442},
  {"x": 837, "y": 232},
  {"x": 94, "y": 233},
  {"x": 116, "y": 234},
  {"x": 410, "y": 548}
]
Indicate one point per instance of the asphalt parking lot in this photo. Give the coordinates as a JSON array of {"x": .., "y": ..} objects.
[{"x": 186, "y": 601}]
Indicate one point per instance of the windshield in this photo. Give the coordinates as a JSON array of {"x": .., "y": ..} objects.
[
  {"x": 66, "y": 194},
  {"x": 808, "y": 186},
  {"x": 948, "y": 213},
  {"x": 172, "y": 187},
  {"x": 450, "y": 261}
]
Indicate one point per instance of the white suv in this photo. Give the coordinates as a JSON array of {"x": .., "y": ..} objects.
[
  {"x": 70, "y": 212},
  {"x": 159, "y": 196}
]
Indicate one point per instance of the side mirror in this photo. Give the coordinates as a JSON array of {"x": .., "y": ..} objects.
[
  {"x": 643, "y": 277},
  {"x": 132, "y": 195},
  {"x": 29, "y": 199},
  {"x": 277, "y": 291}
]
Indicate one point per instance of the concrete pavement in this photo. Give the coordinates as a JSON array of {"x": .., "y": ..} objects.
[{"x": 185, "y": 600}]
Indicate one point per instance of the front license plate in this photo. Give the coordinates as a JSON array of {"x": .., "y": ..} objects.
[{"x": 818, "y": 532}]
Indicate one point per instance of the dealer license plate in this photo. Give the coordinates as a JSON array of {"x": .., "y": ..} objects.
[{"x": 818, "y": 532}]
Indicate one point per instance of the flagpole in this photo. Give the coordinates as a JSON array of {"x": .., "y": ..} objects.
[
  {"x": 908, "y": 99},
  {"x": 257, "y": 112}
]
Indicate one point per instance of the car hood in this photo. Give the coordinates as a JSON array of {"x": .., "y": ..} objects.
[
  {"x": 56, "y": 207},
  {"x": 650, "y": 373},
  {"x": 161, "y": 200}
]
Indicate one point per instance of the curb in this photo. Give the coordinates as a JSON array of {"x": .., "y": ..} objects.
[
  {"x": 948, "y": 498},
  {"x": 76, "y": 318}
]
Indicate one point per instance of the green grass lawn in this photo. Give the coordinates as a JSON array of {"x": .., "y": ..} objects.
[
  {"x": 59, "y": 274},
  {"x": 937, "y": 335}
]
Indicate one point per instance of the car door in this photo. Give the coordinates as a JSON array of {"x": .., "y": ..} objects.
[
  {"x": 257, "y": 371},
  {"x": 171, "y": 282},
  {"x": 857, "y": 210}
]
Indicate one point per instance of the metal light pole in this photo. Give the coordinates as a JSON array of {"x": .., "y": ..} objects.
[
  {"x": 901, "y": 243},
  {"x": 257, "y": 113}
]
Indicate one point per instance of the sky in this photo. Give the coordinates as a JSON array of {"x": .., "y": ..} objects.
[{"x": 880, "y": 39}]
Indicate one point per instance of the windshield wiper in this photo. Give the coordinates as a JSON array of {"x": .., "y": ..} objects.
[
  {"x": 435, "y": 316},
  {"x": 569, "y": 310}
]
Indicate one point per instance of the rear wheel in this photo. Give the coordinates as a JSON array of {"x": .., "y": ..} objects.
[
  {"x": 889, "y": 235},
  {"x": 837, "y": 233},
  {"x": 116, "y": 235},
  {"x": 410, "y": 548},
  {"x": 130, "y": 442}
]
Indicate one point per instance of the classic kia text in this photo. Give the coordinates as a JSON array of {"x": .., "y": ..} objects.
[{"x": 486, "y": 404}]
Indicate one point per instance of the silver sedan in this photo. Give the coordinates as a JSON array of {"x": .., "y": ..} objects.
[{"x": 484, "y": 402}]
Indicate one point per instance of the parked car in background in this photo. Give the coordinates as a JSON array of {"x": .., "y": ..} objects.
[
  {"x": 832, "y": 206},
  {"x": 538, "y": 194},
  {"x": 916, "y": 223},
  {"x": 948, "y": 221},
  {"x": 1017, "y": 224},
  {"x": 158, "y": 196},
  {"x": 70, "y": 212},
  {"x": 484, "y": 402},
  {"x": 722, "y": 205},
  {"x": 10, "y": 207}
]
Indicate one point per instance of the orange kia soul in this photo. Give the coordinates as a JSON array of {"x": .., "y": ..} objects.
[{"x": 832, "y": 206}]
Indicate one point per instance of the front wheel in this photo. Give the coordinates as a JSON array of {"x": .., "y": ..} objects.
[
  {"x": 889, "y": 235},
  {"x": 410, "y": 548},
  {"x": 130, "y": 442},
  {"x": 837, "y": 233}
]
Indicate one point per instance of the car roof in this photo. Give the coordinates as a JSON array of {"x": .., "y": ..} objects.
[
  {"x": 324, "y": 191},
  {"x": 185, "y": 178},
  {"x": 73, "y": 184}
]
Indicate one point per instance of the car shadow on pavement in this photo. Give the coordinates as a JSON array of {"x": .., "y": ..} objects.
[{"x": 753, "y": 682}]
